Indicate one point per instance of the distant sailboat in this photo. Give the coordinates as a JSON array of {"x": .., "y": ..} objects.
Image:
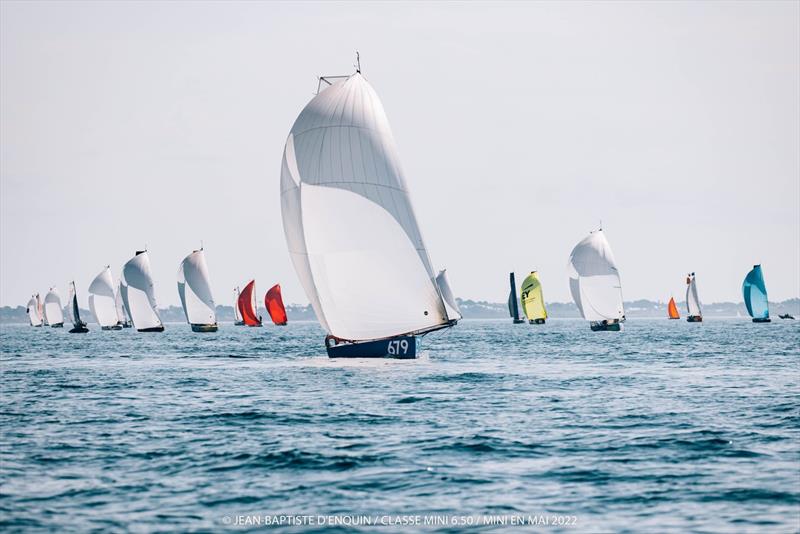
[
  {"x": 237, "y": 316},
  {"x": 513, "y": 308},
  {"x": 274, "y": 304},
  {"x": 122, "y": 315},
  {"x": 103, "y": 301},
  {"x": 247, "y": 305},
  {"x": 78, "y": 326},
  {"x": 594, "y": 283},
  {"x": 692, "y": 300},
  {"x": 136, "y": 287},
  {"x": 755, "y": 295},
  {"x": 34, "y": 311},
  {"x": 672, "y": 309},
  {"x": 53, "y": 310},
  {"x": 195, "y": 292},
  {"x": 532, "y": 299},
  {"x": 351, "y": 230}
]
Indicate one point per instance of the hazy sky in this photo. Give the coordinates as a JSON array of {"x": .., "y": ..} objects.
[{"x": 519, "y": 126}]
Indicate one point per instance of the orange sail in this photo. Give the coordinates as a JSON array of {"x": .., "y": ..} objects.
[
  {"x": 673, "y": 309},
  {"x": 274, "y": 304},
  {"x": 247, "y": 305}
]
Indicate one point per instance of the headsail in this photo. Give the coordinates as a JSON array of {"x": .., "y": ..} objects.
[
  {"x": 53, "y": 310},
  {"x": 594, "y": 279},
  {"x": 122, "y": 315},
  {"x": 532, "y": 298},
  {"x": 672, "y": 309},
  {"x": 237, "y": 317},
  {"x": 692, "y": 300},
  {"x": 349, "y": 224},
  {"x": 136, "y": 287},
  {"x": 450, "y": 303},
  {"x": 72, "y": 307},
  {"x": 755, "y": 294},
  {"x": 274, "y": 304},
  {"x": 33, "y": 311},
  {"x": 195, "y": 291},
  {"x": 247, "y": 305},
  {"x": 102, "y": 299}
]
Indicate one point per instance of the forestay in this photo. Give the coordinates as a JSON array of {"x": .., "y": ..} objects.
[{"x": 349, "y": 224}]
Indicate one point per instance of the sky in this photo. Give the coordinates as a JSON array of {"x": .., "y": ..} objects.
[{"x": 520, "y": 126}]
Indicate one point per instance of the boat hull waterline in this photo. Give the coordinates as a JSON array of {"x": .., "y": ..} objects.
[{"x": 399, "y": 347}]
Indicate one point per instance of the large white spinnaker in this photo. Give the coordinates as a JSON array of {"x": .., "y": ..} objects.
[
  {"x": 195, "y": 291},
  {"x": 33, "y": 311},
  {"x": 102, "y": 299},
  {"x": 349, "y": 224},
  {"x": 136, "y": 287},
  {"x": 594, "y": 280},
  {"x": 53, "y": 310}
]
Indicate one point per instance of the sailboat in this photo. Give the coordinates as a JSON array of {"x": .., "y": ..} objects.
[
  {"x": 237, "y": 316},
  {"x": 53, "y": 310},
  {"x": 594, "y": 283},
  {"x": 274, "y": 304},
  {"x": 122, "y": 315},
  {"x": 513, "y": 307},
  {"x": 692, "y": 300},
  {"x": 136, "y": 288},
  {"x": 247, "y": 305},
  {"x": 351, "y": 230},
  {"x": 532, "y": 299},
  {"x": 672, "y": 309},
  {"x": 34, "y": 311},
  {"x": 102, "y": 301},
  {"x": 195, "y": 292},
  {"x": 755, "y": 295},
  {"x": 78, "y": 326}
]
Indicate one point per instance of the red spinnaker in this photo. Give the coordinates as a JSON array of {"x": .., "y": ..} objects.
[
  {"x": 274, "y": 304},
  {"x": 247, "y": 305}
]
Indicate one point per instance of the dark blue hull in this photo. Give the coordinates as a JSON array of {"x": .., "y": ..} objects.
[
  {"x": 762, "y": 320},
  {"x": 605, "y": 327},
  {"x": 400, "y": 347}
]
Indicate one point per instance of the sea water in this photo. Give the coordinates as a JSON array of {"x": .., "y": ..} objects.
[{"x": 666, "y": 426}]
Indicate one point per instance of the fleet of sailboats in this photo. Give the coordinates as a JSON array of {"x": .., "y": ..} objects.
[
  {"x": 358, "y": 251},
  {"x": 350, "y": 227}
]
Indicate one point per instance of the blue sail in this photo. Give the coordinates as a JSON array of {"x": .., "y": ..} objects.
[{"x": 755, "y": 294}]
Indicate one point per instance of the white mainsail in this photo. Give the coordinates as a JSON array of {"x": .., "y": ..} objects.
[
  {"x": 102, "y": 299},
  {"x": 349, "y": 224},
  {"x": 136, "y": 287},
  {"x": 53, "y": 310},
  {"x": 237, "y": 317},
  {"x": 122, "y": 315},
  {"x": 33, "y": 311},
  {"x": 692, "y": 300},
  {"x": 594, "y": 279},
  {"x": 194, "y": 290}
]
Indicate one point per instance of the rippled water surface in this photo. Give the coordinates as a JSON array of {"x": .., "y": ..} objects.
[{"x": 664, "y": 426}]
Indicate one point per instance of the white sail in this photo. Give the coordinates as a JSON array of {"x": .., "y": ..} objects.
[
  {"x": 594, "y": 279},
  {"x": 136, "y": 287},
  {"x": 350, "y": 228},
  {"x": 33, "y": 312},
  {"x": 122, "y": 316},
  {"x": 53, "y": 310},
  {"x": 194, "y": 290},
  {"x": 692, "y": 300},
  {"x": 450, "y": 304},
  {"x": 102, "y": 299},
  {"x": 73, "y": 311},
  {"x": 237, "y": 317}
]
